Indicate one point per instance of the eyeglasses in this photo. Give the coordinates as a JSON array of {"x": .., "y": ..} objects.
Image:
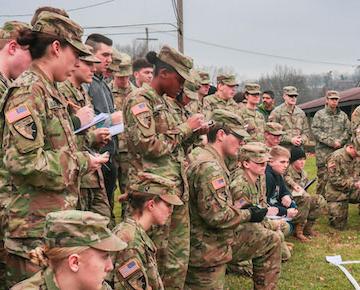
[{"x": 292, "y": 96}]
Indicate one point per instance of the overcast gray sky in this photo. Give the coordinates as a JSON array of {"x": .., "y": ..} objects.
[{"x": 314, "y": 30}]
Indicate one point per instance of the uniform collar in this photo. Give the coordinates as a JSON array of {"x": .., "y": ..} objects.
[
  {"x": 218, "y": 157},
  {"x": 50, "y": 279}
]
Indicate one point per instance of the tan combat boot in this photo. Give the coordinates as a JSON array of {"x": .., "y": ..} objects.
[
  {"x": 299, "y": 234},
  {"x": 309, "y": 229}
]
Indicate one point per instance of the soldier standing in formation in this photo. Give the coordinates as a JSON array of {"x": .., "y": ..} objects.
[
  {"x": 331, "y": 130},
  {"x": 267, "y": 105}
]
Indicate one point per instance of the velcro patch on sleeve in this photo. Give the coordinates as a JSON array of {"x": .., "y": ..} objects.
[
  {"x": 129, "y": 268},
  {"x": 139, "y": 108},
  {"x": 218, "y": 183},
  {"x": 18, "y": 113}
]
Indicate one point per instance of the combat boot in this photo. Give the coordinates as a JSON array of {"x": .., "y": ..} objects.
[
  {"x": 299, "y": 234},
  {"x": 309, "y": 229}
]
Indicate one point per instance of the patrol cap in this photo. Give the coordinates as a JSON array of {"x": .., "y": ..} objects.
[
  {"x": 332, "y": 95},
  {"x": 125, "y": 66},
  {"x": 91, "y": 57},
  {"x": 205, "y": 77},
  {"x": 191, "y": 87},
  {"x": 181, "y": 63},
  {"x": 252, "y": 88},
  {"x": 290, "y": 91},
  {"x": 227, "y": 79},
  {"x": 73, "y": 228},
  {"x": 11, "y": 29},
  {"x": 150, "y": 183},
  {"x": 274, "y": 128},
  {"x": 116, "y": 60},
  {"x": 58, "y": 25},
  {"x": 230, "y": 121},
  {"x": 254, "y": 151}
]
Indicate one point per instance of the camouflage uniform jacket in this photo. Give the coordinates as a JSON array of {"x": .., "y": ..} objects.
[
  {"x": 40, "y": 154},
  {"x": 294, "y": 123},
  {"x": 4, "y": 84},
  {"x": 328, "y": 126},
  {"x": 343, "y": 173},
  {"x": 245, "y": 192},
  {"x": 355, "y": 127},
  {"x": 97, "y": 200},
  {"x": 119, "y": 98},
  {"x": 140, "y": 249},
  {"x": 262, "y": 110},
  {"x": 212, "y": 214},
  {"x": 155, "y": 136},
  {"x": 254, "y": 122},
  {"x": 44, "y": 280},
  {"x": 195, "y": 106},
  {"x": 293, "y": 178},
  {"x": 213, "y": 102}
]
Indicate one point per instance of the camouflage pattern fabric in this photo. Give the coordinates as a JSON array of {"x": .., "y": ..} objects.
[
  {"x": 213, "y": 217},
  {"x": 213, "y": 102},
  {"x": 254, "y": 122},
  {"x": 355, "y": 127},
  {"x": 92, "y": 188},
  {"x": 140, "y": 250},
  {"x": 343, "y": 173},
  {"x": 294, "y": 123},
  {"x": 309, "y": 206},
  {"x": 204, "y": 278},
  {"x": 156, "y": 136},
  {"x": 327, "y": 127},
  {"x": 41, "y": 154}
]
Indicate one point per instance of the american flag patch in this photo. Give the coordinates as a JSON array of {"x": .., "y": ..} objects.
[
  {"x": 17, "y": 113},
  {"x": 218, "y": 183},
  {"x": 139, "y": 108},
  {"x": 130, "y": 267}
]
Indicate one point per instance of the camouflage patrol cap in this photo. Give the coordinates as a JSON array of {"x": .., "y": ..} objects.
[
  {"x": 156, "y": 185},
  {"x": 73, "y": 228},
  {"x": 11, "y": 29},
  {"x": 181, "y": 63},
  {"x": 125, "y": 66},
  {"x": 116, "y": 60},
  {"x": 230, "y": 121},
  {"x": 58, "y": 25},
  {"x": 205, "y": 77},
  {"x": 290, "y": 91},
  {"x": 274, "y": 128},
  {"x": 252, "y": 88},
  {"x": 254, "y": 151},
  {"x": 91, "y": 57},
  {"x": 191, "y": 88},
  {"x": 332, "y": 95},
  {"x": 227, "y": 79}
]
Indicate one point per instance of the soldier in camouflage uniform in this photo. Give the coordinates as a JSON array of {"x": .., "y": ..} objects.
[
  {"x": 343, "y": 184},
  {"x": 73, "y": 236},
  {"x": 248, "y": 188},
  {"x": 151, "y": 200},
  {"x": 155, "y": 141},
  {"x": 292, "y": 118},
  {"x": 224, "y": 97},
  {"x": 254, "y": 121},
  {"x": 273, "y": 133},
  {"x": 331, "y": 130},
  {"x": 196, "y": 104},
  {"x": 11, "y": 66},
  {"x": 92, "y": 188},
  {"x": 309, "y": 206},
  {"x": 214, "y": 216},
  {"x": 38, "y": 141}
]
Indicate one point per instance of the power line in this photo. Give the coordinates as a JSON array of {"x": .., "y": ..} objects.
[
  {"x": 72, "y": 9},
  {"x": 267, "y": 54},
  {"x": 137, "y": 32},
  {"x": 130, "y": 25}
]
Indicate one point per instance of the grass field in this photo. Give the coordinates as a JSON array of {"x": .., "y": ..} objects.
[{"x": 307, "y": 269}]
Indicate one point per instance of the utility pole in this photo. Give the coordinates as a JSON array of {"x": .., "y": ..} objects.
[
  {"x": 146, "y": 39},
  {"x": 180, "y": 24}
]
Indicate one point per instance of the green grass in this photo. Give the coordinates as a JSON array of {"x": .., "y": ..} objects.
[{"x": 307, "y": 269}]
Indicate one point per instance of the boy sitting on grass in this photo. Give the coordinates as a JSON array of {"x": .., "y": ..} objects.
[{"x": 309, "y": 206}]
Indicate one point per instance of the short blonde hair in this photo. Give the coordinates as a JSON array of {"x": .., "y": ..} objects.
[{"x": 279, "y": 151}]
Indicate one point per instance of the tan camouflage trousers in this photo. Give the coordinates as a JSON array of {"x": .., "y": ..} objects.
[
  {"x": 322, "y": 179},
  {"x": 173, "y": 244},
  {"x": 309, "y": 208},
  {"x": 252, "y": 241},
  {"x": 199, "y": 278},
  {"x": 338, "y": 211}
]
